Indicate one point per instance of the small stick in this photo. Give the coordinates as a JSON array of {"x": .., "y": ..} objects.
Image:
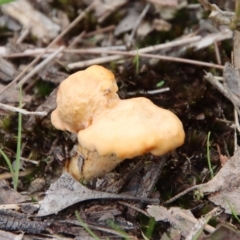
[
  {"x": 218, "y": 58},
  {"x": 29, "y": 160},
  {"x": 139, "y": 20},
  {"x": 217, "y": 85},
  {"x": 226, "y": 121},
  {"x": 110, "y": 48},
  {"x": 156, "y": 91},
  {"x": 21, "y": 174},
  {"x": 207, "y": 227},
  {"x": 86, "y": 63},
  {"x": 175, "y": 43},
  {"x": 29, "y": 52},
  {"x": 134, "y": 207},
  {"x": 42, "y": 51},
  {"x": 23, "y": 35},
  {"x": 222, "y": 90},
  {"x": 20, "y": 110},
  {"x": 10, "y": 206},
  {"x": 183, "y": 193},
  {"x": 40, "y": 66},
  {"x": 100, "y": 30},
  {"x": 158, "y": 47},
  {"x": 77, "y": 39},
  {"x": 237, "y": 128},
  {"x": 236, "y": 120}
]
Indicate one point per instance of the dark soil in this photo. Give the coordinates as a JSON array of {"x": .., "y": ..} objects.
[{"x": 200, "y": 107}]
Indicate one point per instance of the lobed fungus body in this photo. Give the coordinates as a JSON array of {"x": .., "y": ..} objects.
[
  {"x": 94, "y": 164},
  {"x": 130, "y": 128},
  {"x": 81, "y": 96},
  {"x": 110, "y": 129}
]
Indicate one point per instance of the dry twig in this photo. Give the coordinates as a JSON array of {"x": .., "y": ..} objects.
[
  {"x": 21, "y": 174},
  {"x": 183, "y": 193},
  {"x": 40, "y": 66},
  {"x": 140, "y": 18},
  {"x": 101, "y": 60},
  {"x": 20, "y": 110}
]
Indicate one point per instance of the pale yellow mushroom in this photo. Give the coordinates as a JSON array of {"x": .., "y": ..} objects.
[
  {"x": 109, "y": 129},
  {"x": 89, "y": 164},
  {"x": 81, "y": 96},
  {"x": 130, "y": 128}
]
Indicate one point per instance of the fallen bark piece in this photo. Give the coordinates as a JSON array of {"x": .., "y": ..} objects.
[
  {"x": 14, "y": 221},
  {"x": 68, "y": 191}
]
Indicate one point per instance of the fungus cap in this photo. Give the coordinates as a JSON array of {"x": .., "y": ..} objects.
[
  {"x": 81, "y": 96},
  {"x": 131, "y": 128}
]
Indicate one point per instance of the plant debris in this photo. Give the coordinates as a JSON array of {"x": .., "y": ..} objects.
[
  {"x": 183, "y": 56},
  {"x": 76, "y": 192}
]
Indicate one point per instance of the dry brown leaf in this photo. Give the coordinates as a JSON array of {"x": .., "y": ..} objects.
[
  {"x": 173, "y": 216},
  {"x": 161, "y": 25},
  {"x": 8, "y": 195},
  {"x": 68, "y": 191},
  {"x": 7, "y": 70},
  {"x": 11, "y": 95},
  {"x": 222, "y": 233},
  {"x": 211, "y": 38},
  {"x": 127, "y": 23},
  {"x": 107, "y": 6},
  {"x": 144, "y": 29},
  {"x": 225, "y": 185}
]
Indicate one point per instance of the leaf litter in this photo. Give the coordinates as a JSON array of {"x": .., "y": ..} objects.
[
  {"x": 66, "y": 185},
  {"x": 222, "y": 190}
]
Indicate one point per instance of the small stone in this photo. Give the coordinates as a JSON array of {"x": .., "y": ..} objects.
[{"x": 37, "y": 185}]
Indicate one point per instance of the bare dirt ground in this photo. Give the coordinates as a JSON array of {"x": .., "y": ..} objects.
[{"x": 171, "y": 52}]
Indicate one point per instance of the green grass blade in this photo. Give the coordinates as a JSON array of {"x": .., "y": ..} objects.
[
  {"x": 85, "y": 226},
  {"x": 136, "y": 61},
  {"x": 8, "y": 162},
  {"x": 197, "y": 235},
  {"x": 208, "y": 155},
  {"x": 120, "y": 231},
  {"x": 5, "y": 1},
  {"x": 233, "y": 211},
  {"x": 18, "y": 152},
  {"x": 151, "y": 225}
]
